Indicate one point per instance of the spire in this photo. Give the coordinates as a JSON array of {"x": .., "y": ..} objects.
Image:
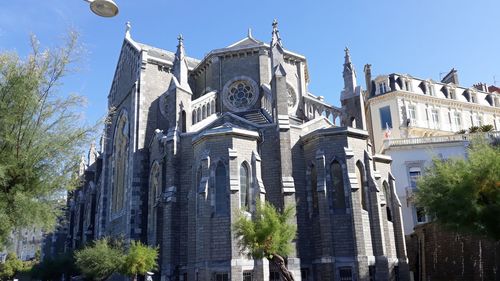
[
  {"x": 81, "y": 171},
  {"x": 276, "y": 39},
  {"x": 92, "y": 154},
  {"x": 349, "y": 73},
  {"x": 276, "y": 46},
  {"x": 347, "y": 56},
  {"x": 180, "y": 48},
  {"x": 180, "y": 68},
  {"x": 128, "y": 26}
]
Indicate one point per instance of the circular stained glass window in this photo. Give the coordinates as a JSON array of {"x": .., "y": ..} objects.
[
  {"x": 240, "y": 94},
  {"x": 292, "y": 97}
]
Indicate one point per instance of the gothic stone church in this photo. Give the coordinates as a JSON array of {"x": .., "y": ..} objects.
[{"x": 192, "y": 142}]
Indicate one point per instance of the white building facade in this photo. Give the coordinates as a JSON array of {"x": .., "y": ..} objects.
[{"x": 402, "y": 106}]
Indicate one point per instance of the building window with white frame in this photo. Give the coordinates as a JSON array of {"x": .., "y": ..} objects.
[
  {"x": 385, "y": 117},
  {"x": 412, "y": 114},
  {"x": 457, "y": 120},
  {"x": 435, "y": 117}
]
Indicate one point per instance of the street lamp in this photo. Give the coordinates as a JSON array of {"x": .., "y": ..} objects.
[{"x": 103, "y": 8}]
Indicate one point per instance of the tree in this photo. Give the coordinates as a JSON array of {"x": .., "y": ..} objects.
[
  {"x": 139, "y": 260},
  {"x": 100, "y": 260},
  {"x": 10, "y": 267},
  {"x": 267, "y": 235},
  {"x": 41, "y": 135},
  {"x": 464, "y": 194}
]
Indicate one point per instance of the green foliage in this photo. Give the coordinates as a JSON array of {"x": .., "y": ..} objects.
[
  {"x": 476, "y": 129},
  {"x": 486, "y": 128},
  {"x": 473, "y": 129},
  {"x": 268, "y": 233},
  {"x": 100, "y": 260},
  {"x": 41, "y": 135},
  {"x": 139, "y": 260},
  {"x": 464, "y": 195},
  {"x": 10, "y": 267}
]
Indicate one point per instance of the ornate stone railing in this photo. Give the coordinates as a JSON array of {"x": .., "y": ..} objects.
[
  {"x": 315, "y": 106},
  {"x": 440, "y": 139},
  {"x": 203, "y": 106}
]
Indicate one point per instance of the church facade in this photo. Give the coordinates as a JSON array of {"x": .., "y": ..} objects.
[{"x": 190, "y": 144}]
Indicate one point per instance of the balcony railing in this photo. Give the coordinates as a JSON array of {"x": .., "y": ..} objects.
[
  {"x": 203, "y": 106},
  {"x": 440, "y": 139},
  {"x": 317, "y": 107}
]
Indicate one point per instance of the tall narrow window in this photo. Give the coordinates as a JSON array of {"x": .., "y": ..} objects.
[
  {"x": 221, "y": 196},
  {"x": 314, "y": 188},
  {"x": 360, "y": 175},
  {"x": 457, "y": 117},
  {"x": 244, "y": 187},
  {"x": 120, "y": 160},
  {"x": 388, "y": 200},
  {"x": 385, "y": 117},
  {"x": 435, "y": 116},
  {"x": 184, "y": 123},
  {"x": 412, "y": 114},
  {"x": 338, "y": 186},
  {"x": 414, "y": 173}
]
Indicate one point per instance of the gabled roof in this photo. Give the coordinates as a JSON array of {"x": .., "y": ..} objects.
[
  {"x": 246, "y": 42},
  {"x": 167, "y": 55}
]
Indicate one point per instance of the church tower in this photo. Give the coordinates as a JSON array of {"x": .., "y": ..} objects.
[{"x": 352, "y": 97}]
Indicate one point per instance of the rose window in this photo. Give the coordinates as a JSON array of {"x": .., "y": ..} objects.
[
  {"x": 292, "y": 97},
  {"x": 240, "y": 94}
]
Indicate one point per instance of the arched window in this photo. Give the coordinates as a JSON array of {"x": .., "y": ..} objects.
[
  {"x": 221, "y": 195},
  {"x": 244, "y": 187},
  {"x": 338, "y": 185},
  {"x": 193, "y": 116},
  {"x": 204, "y": 112},
  {"x": 388, "y": 200},
  {"x": 120, "y": 159},
  {"x": 154, "y": 194},
  {"x": 360, "y": 175},
  {"x": 183, "y": 120},
  {"x": 314, "y": 188}
]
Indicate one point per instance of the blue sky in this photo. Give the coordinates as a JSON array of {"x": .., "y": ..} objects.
[{"x": 420, "y": 37}]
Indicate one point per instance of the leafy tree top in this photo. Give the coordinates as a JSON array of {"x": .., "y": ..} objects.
[
  {"x": 41, "y": 135},
  {"x": 268, "y": 233},
  {"x": 464, "y": 194},
  {"x": 100, "y": 260},
  {"x": 140, "y": 259}
]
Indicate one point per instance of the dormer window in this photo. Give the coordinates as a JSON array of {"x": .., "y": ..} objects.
[
  {"x": 466, "y": 95},
  {"x": 382, "y": 87}
]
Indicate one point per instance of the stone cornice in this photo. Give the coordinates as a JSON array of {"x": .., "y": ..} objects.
[
  {"x": 434, "y": 100},
  {"x": 332, "y": 131}
]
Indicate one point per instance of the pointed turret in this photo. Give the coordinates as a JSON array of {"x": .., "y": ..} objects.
[
  {"x": 180, "y": 69},
  {"x": 349, "y": 73},
  {"x": 276, "y": 46},
  {"x": 92, "y": 154},
  {"x": 83, "y": 166}
]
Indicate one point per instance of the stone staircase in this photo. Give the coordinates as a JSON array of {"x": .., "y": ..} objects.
[{"x": 255, "y": 116}]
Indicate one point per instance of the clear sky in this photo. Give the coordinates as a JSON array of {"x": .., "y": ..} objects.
[{"x": 420, "y": 37}]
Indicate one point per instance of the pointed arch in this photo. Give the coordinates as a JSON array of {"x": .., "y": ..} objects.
[
  {"x": 221, "y": 190},
  {"x": 360, "y": 176},
  {"x": 193, "y": 117},
  {"x": 388, "y": 200},
  {"x": 337, "y": 178},
  {"x": 245, "y": 186},
  {"x": 313, "y": 181},
  {"x": 120, "y": 158},
  {"x": 155, "y": 190}
]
